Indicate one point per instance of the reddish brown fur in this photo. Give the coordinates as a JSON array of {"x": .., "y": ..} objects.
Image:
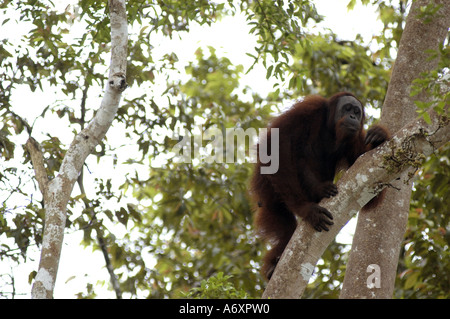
[{"x": 311, "y": 148}]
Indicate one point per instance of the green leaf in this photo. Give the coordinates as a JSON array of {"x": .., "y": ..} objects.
[
  {"x": 269, "y": 72},
  {"x": 411, "y": 280}
]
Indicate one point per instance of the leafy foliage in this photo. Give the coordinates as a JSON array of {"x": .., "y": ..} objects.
[
  {"x": 329, "y": 273},
  {"x": 331, "y": 65},
  {"x": 278, "y": 26},
  {"x": 194, "y": 202},
  {"x": 175, "y": 229},
  {"x": 217, "y": 287},
  {"x": 424, "y": 271},
  {"x": 435, "y": 84}
]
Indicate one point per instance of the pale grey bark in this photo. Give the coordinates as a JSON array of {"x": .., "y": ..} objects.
[{"x": 57, "y": 191}]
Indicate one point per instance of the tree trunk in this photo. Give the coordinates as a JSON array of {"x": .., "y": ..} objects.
[
  {"x": 56, "y": 192},
  {"x": 380, "y": 230}
]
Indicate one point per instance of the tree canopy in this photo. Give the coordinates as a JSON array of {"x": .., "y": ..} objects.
[{"x": 169, "y": 228}]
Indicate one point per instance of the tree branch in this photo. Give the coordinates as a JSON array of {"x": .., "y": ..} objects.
[
  {"x": 114, "y": 281},
  {"x": 37, "y": 159},
  {"x": 60, "y": 188},
  {"x": 101, "y": 242},
  {"x": 363, "y": 180}
]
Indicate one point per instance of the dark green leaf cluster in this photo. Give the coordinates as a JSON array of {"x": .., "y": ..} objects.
[
  {"x": 278, "y": 25},
  {"x": 435, "y": 84},
  {"x": 329, "y": 65},
  {"x": 217, "y": 287},
  {"x": 424, "y": 270}
]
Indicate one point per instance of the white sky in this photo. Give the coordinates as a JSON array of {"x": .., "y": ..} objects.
[{"x": 231, "y": 39}]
